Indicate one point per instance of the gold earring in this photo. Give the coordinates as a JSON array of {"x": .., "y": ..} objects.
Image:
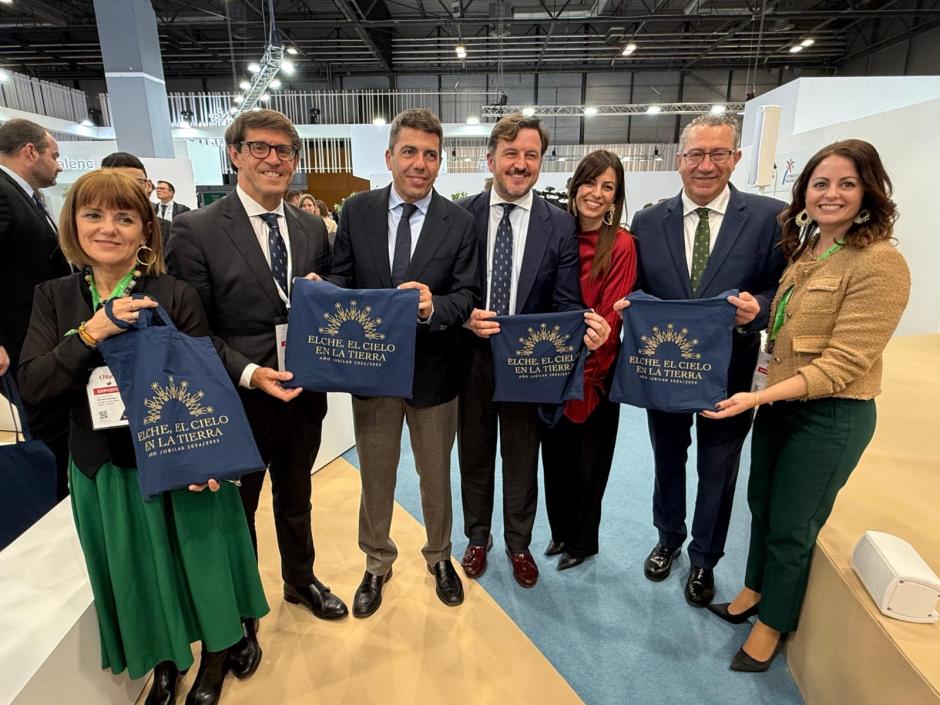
[
  {"x": 153, "y": 256},
  {"x": 609, "y": 215},
  {"x": 863, "y": 216},
  {"x": 802, "y": 218}
]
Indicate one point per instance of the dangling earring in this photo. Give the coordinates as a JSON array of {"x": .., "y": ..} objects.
[
  {"x": 609, "y": 215},
  {"x": 143, "y": 263},
  {"x": 802, "y": 218},
  {"x": 863, "y": 216}
]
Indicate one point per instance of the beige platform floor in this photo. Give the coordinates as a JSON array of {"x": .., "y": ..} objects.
[{"x": 413, "y": 651}]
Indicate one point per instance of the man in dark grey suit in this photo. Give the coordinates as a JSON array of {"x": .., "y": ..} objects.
[
  {"x": 241, "y": 254},
  {"x": 30, "y": 247},
  {"x": 408, "y": 236},
  {"x": 168, "y": 208}
]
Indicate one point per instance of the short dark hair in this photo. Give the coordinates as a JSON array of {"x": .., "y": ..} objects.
[
  {"x": 416, "y": 119},
  {"x": 16, "y": 134},
  {"x": 122, "y": 160},
  {"x": 168, "y": 185},
  {"x": 508, "y": 127},
  {"x": 261, "y": 120}
]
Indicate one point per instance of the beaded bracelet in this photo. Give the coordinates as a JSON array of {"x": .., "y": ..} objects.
[{"x": 86, "y": 337}]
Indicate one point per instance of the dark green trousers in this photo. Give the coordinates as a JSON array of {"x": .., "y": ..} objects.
[{"x": 802, "y": 454}]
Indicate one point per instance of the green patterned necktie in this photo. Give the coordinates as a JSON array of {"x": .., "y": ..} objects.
[{"x": 700, "y": 248}]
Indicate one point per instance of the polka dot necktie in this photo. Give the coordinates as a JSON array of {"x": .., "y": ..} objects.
[
  {"x": 501, "y": 282},
  {"x": 402, "y": 255},
  {"x": 277, "y": 250},
  {"x": 700, "y": 248}
]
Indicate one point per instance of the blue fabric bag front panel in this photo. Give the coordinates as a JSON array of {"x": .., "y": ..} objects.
[
  {"x": 186, "y": 418},
  {"x": 360, "y": 341},
  {"x": 539, "y": 357},
  {"x": 675, "y": 354}
]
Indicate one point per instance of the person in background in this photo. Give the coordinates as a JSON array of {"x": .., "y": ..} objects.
[
  {"x": 168, "y": 208},
  {"x": 168, "y": 571},
  {"x": 308, "y": 203},
  {"x": 324, "y": 213},
  {"x": 839, "y": 302},
  {"x": 577, "y": 453},
  {"x": 292, "y": 197}
]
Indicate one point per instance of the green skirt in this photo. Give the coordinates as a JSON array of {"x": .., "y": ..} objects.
[{"x": 164, "y": 573}]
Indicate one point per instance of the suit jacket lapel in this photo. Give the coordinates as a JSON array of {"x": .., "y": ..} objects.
[
  {"x": 238, "y": 228},
  {"x": 481, "y": 226},
  {"x": 375, "y": 220},
  {"x": 299, "y": 245},
  {"x": 674, "y": 234},
  {"x": 31, "y": 205},
  {"x": 536, "y": 242},
  {"x": 433, "y": 233},
  {"x": 732, "y": 225}
]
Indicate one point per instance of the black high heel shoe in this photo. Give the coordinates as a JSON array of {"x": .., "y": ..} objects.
[
  {"x": 745, "y": 663},
  {"x": 166, "y": 678},
  {"x": 721, "y": 610}
]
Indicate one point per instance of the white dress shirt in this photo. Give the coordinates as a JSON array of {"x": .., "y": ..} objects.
[
  {"x": 519, "y": 219},
  {"x": 716, "y": 215},
  {"x": 394, "y": 218},
  {"x": 168, "y": 207}
]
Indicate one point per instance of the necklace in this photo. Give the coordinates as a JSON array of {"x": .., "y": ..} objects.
[{"x": 124, "y": 287}]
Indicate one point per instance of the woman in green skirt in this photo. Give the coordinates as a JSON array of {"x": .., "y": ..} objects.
[
  {"x": 174, "y": 570},
  {"x": 837, "y": 305}
]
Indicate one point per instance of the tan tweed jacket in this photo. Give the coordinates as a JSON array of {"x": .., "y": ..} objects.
[{"x": 839, "y": 319}]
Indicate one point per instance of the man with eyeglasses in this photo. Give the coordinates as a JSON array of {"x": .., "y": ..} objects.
[
  {"x": 707, "y": 239},
  {"x": 242, "y": 253}
]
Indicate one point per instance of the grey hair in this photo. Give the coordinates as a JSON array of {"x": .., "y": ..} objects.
[{"x": 713, "y": 120}]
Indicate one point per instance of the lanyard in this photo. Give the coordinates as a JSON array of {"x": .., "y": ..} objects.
[
  {"x": 120, "y": 289},
  {"x": 781, "y": 313}
]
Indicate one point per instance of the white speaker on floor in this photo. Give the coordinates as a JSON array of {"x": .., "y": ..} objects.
[
  {"x": 901, "y": 583},
  {"x": 760, "y": 170}
]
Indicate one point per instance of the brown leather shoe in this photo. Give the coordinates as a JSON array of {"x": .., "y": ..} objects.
[
  {"x": 474, "y": 559},
  {"x": 524, "y": 569}
]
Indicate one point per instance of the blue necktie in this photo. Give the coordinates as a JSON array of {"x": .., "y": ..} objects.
[
  {"x": 501, "y": 282},
  {"x": 402, "y": 257},
  {"x": 277, "y": 250}
]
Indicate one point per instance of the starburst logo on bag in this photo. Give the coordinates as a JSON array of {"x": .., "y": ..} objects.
[
  {"x": 174, "y": 392},
  {"x": 353, "y": 314},
  {"x": 544, "y": 334},
  {"x": 680, "y": 338}
]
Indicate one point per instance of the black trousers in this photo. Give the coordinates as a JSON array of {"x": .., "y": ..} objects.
[
  {"x": 288, "y": 438},
  {"x": 479, "y": 421},
  {"x": 577, "y": 459},
  {"x": 718, "y": 447}
]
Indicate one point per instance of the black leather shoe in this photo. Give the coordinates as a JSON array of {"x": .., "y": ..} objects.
[
  {"x": 721, "y": 610},
  {"x": 317, "y": 598},
  {"x": 659, "y": 562},
  {"x": 369, "y": 593},
  {"x": 245, "y": 656},
  {"x": 166, "y": 678},
  {"x": 700, "y": 586},
  {"x": 748, "y": 664},
  {"x": 207, "y": 688},
  {"x": 554, "y": 549},
  {"x": 568, "y": 561},
  {"x": 448, "y": 586}
]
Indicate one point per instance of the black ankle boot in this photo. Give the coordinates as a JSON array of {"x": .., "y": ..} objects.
[
  {"x": 166, "y": 677},
  {"x": 244, "y": 657},
  {"x": 207, "y": 689}
]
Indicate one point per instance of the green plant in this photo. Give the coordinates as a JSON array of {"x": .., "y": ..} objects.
[{"x": 457, "y": 195}]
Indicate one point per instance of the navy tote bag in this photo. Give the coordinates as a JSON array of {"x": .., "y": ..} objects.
[
  {"x": 27, "y": 474},
  {"x": 539, "y": 357},
  {"x": 675, "y": 354},
  {"x": 360, "y": 341},
  {"x": 186, "y": 419}
]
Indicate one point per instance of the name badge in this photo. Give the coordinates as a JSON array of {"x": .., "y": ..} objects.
[
  {"x": 104, "y": 400},
  {"x": 280, "y": 333},
  {"x": 759, "y": 380}
]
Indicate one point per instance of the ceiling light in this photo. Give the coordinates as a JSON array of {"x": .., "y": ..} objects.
[
  {"x": 254, "y": 67},
  {"x": 654, "y": 109},
  {"x": 590, "y": 110},
  {"x": 473, "y": 120},
  {"x": 528, "y": 112},
  {"x": 239, "y": 98},
  {"x": 461, "y": 51},
  {"x": 265, "y": 97},
  {"x": 6, "y": 2},
  {"x": 4, "y": 75},
  {"x": 629, "y": 49},
  {"x": 796, "y": 50},
  {"x": 808, "y": 42},
  {"x": 717, "y": 109},
  {"x": 275, "y": 83},
  {"x": 287, "y": 67},
  {"x": 378, "y": 120},
  {"x": 292, "y": 50},
  {"x": 245, "y": 85}
]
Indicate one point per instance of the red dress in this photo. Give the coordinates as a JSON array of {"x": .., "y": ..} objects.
[{"x": 600, "y": 294}]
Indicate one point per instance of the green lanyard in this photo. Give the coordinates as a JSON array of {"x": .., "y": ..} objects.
[
  {"x": 785, "y": 299},
  {"x": 119, "y": 290}
]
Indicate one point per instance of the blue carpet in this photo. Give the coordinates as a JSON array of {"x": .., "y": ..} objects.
[{"x": 615, "y": 636}]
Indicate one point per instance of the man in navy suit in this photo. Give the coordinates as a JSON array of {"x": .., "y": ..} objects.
[
  {"x": 707, "y": 239},
  {"x": 540, "y": 273}
]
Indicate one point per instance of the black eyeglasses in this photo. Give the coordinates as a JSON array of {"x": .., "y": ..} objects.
[
  {"x": 718, "y": 156},
  {"x": 261, "y": 150}
]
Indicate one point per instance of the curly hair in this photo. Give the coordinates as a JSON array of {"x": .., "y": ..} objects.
[{"x": 876, "y": 198}]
